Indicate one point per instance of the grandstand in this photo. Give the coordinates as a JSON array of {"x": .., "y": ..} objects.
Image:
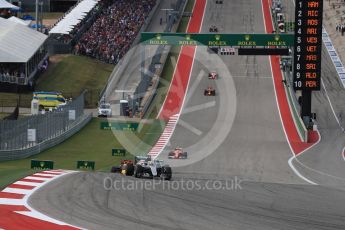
[
  {"x": 73, "y": 17},
  {"x": 112, "y": 34},
  {"x": 22, "y": 54},
  {"x": 72, "y": 25},
  {"x": 101, "y": 29}
]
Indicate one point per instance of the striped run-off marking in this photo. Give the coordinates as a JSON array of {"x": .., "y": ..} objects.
[
  {"x": 16, "y": 213},
  {"x": 165, "y": 137},
  {"x": 173, "y": 103}
]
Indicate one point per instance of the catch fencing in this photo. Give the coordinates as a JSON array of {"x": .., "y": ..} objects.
[
  {"x": 158, "y": 58},
  {"x": 32, "y": 134}
]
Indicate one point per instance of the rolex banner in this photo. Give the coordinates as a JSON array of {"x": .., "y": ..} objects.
[
  {"x": 42, "y": 164},
  {"x": 86, "y": 165}
]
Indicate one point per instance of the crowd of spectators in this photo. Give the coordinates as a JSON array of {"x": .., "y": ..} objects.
[
  {"x": 12, "y": 69},
  {"x": 340, "y": 28},
  {"x": 111, "y": 35},
  {"x": 337, "y": 5},
  {"x": 8, "y": 71}
]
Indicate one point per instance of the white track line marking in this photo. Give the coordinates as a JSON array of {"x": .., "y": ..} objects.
[
  {"x": 294, "y": 157},
  {"x": 334, "y": 114},
  {"x": 330, "y": 103}
]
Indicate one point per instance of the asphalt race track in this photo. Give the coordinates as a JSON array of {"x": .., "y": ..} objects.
[
  {"x": 255, "y": 147},
  {"x": 82, "y": 200},
  {"x": 248, "y": 144}
]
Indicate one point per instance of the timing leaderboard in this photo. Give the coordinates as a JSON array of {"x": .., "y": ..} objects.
[{"x": 308, "y": 45}]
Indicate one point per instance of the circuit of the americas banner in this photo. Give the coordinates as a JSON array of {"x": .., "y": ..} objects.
[{"x": 308, "y": 45}]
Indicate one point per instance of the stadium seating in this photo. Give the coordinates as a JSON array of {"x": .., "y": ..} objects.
[{"x": 111, "y": 35}]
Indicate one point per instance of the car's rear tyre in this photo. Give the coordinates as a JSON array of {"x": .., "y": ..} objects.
[
  {"x": 130, "y": 170},
  {"x": 150, "y": 174},
  {"x": 138, "y": 171},
  {"x": 166, "y": 173}
]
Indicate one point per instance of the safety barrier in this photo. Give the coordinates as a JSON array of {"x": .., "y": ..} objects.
[
  {"x": 334, "y": 56},
  {"x": 32, "y": 134},
  {"x": 23, "y": 153},
  {"x": 161, "y": 55}
]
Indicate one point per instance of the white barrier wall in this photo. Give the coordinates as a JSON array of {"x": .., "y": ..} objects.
[{"x": 334, "y": 56}]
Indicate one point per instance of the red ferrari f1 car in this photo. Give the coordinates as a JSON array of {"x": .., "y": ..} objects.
[{"x": 177, "y": 153}]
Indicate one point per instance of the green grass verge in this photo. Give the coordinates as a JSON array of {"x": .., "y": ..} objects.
[
  {"x": 71, "y": 76},
  {"x": 169, "y": 68},
  {"x": 74, "y": 74},
  {"x": 91, "y": 143},
  {"x": 12, "y": 174},
  {"x": 11, "y": 99}
]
